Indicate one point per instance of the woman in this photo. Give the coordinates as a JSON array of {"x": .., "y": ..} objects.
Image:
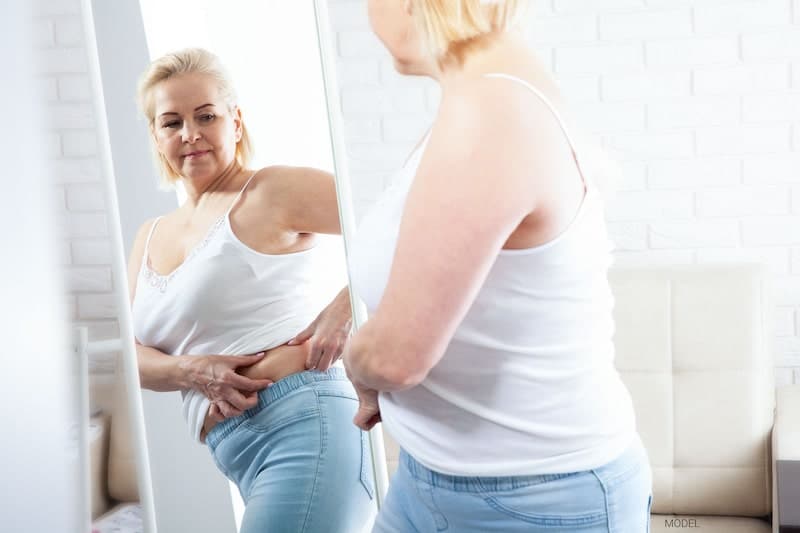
[
  {"x": 227, "y": 275},
  {"x": 484, "y": 267}
]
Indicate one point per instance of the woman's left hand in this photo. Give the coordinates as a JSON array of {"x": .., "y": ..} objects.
[{"x": 328, "y": 333}]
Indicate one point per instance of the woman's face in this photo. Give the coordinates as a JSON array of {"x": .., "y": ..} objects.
[
  {"x": 392, "y": 22},
  {"x": 194, "y": 129}
]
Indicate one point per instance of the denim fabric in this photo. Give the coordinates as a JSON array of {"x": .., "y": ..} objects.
[
  {"x": 614, "y": 498},
  {"x": 300, "y": 464}
]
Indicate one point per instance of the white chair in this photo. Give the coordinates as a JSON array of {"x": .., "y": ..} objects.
[{"x": 691, "y": 346}]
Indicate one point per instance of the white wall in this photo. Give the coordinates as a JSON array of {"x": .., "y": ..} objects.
[
  {"x": 698, "y": 101},
  {"x": 84, "y": 249}
]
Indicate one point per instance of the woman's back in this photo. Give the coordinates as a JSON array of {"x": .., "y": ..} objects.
[{"x": 527, "y": 383}]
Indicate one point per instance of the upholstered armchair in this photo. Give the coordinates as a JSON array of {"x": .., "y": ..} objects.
[{"x": 692, "y": 347}]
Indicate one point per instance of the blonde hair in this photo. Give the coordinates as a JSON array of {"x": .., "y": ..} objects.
[
  {"x": 451, "y": 29},
  {"x": 188, "y": 61}
]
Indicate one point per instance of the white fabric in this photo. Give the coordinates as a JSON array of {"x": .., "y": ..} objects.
[
  {"x": 125, "y": 518},
  {"x": 691, "y": 347},
  {"x": 224, "y": 299},
  {"x": 527, "y": 385}
]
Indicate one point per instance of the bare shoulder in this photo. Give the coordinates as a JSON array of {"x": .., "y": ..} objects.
[
  {"x": 141, "y": 236},
  {"x": 137, "y": 255},
  {"x": 269, "y": 180},
  {"x": 284, "y": 187},
  {"x": 280, "y": 177},
  {"x": 497, "y": 101}
]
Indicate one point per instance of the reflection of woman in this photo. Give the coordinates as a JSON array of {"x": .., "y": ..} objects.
[
  {"x": 484, "y": 266},
  {"x": 227, "y": 275}
]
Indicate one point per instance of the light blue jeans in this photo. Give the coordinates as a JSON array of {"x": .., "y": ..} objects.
[
  {"x": 614, "y": 498},
  {"x": 299, "y": 462}
]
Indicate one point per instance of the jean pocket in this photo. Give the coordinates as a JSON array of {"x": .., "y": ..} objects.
[
  {"x": 367, "y": 475},
  {"x": 575, "y": 501}
]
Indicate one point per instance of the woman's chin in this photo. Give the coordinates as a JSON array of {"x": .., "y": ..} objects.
[{"x": 194, "y": 171}]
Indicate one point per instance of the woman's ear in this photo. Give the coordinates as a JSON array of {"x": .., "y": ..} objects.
[{"x": 237, "y": 123}]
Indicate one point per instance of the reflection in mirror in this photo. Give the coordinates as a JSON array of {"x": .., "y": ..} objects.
[
  {"x": 224, "y": 275},
  {"x": 117, "y": 482}
]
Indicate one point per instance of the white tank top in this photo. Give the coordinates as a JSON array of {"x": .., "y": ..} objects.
[
  {"x": 527, "y": 385},
  {"x": 224, "y": 299}
]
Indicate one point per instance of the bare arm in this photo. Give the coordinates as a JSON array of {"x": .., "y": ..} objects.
[
  {"x": 157, "y": 371},
  {"x": 479, "y": 178},
  {"x": 213, "y": 375},
  {"x": 307, "y": 198}
]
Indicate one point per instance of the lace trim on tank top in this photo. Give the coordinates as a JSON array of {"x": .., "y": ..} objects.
[{"x": 161, "y": 282}]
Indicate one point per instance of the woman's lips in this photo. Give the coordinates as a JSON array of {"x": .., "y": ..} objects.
[{"x": 193, "y": 155}]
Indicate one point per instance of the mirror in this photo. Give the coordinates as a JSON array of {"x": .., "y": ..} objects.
[{"x": 286, "y": 101}]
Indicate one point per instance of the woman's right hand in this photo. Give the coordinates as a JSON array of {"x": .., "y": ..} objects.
[
  {"x": 216, "y": 377},
  {"x": 369, "y": 412}
]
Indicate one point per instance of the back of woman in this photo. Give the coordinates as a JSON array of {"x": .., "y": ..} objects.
[{"x": 502, "y": 388}]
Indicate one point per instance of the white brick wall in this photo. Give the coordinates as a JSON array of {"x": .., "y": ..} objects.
[
  {"x": 72, "y": 149},
  {"x": 698, "y": 100}
]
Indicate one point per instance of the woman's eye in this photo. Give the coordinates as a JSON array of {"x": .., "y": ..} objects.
[
  {"x": 207, "y": 117},
  {"x": 172, "y": 124}
]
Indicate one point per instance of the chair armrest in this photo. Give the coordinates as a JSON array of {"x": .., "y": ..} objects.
[{"x": 786, "y": 460}]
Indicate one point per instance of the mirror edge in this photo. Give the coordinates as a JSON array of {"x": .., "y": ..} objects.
[
  {"x": 346, "y": 217},
  {"x": 129, "y": 368}
]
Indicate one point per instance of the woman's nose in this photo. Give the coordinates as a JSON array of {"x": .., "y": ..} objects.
[{"x": 190, "y": 132}]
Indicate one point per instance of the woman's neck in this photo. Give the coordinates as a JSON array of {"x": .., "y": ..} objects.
[
  {"x": 498, "y": 51},
  {"x": 197, "y": 190}
]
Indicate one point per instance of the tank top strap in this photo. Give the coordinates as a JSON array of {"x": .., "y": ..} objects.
[
  {"x": 553, "y": 110},
  {"x": 149, "y": 236},
  {"x": 236, "y": 200}
]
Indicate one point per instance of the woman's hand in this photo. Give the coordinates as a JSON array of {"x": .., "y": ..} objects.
[
  {"x": 230, "y": 393},
  {"x": 328, "y": 333},
  {"x": 368, "y": 413}
]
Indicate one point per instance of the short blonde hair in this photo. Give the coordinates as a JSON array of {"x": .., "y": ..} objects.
[
  {"x": 188, "y": 61},
  {"x": 452, "y": 28}
]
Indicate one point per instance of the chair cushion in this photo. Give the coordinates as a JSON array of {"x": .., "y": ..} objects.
[
  {"x": 690, "y": 348},
  {"x": 98, "y": 457},
  {"x": 123, "y": 484}
]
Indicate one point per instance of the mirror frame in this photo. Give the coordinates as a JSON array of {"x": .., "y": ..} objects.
[
  {"x": 346, "y": 212},
  {"x": 130, "y": 369}
]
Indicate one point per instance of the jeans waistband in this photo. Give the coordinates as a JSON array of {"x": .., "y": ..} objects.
[
  {"x": 470, "y": 483},
  {"x": 473, "y": 483},
  {"x": 271, "y": 394}
]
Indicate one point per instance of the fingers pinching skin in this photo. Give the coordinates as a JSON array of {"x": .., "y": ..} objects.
[
  {"x": 244, "y": 383},
  {"x": 239, "y": 401},
  {"x": 228, "y": 410},
  {"x": 314, "y": 355}
]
